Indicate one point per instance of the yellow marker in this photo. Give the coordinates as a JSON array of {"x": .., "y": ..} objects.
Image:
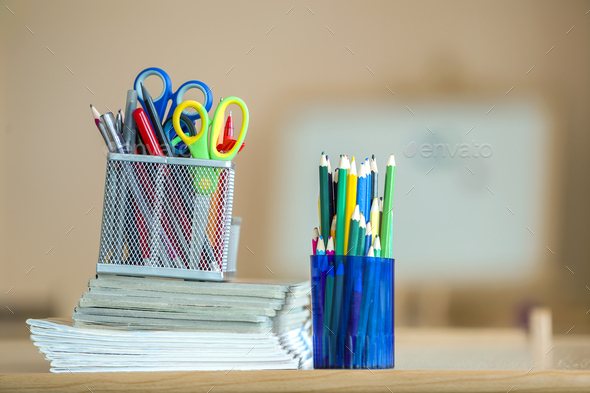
[
  {"x": 350, "y": 200},
  {"x": 374, "y": 218}
]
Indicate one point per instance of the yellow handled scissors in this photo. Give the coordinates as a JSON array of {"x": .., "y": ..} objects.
[{"x": 204, "y": 144}]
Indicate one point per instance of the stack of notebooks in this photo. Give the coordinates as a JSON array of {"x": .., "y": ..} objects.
[{"x": 149, "y": 324}]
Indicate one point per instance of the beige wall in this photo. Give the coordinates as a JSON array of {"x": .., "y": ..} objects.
[{"x": 52, "y": 156}]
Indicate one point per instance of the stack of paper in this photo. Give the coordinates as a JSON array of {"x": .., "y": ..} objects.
[{"x": 146, "y": 324}]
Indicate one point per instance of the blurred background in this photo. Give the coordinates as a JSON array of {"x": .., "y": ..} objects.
[{"x": 479, "y": 240}]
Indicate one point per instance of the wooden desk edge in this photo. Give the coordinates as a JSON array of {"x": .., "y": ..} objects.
[{"x": 299, "y": 381}]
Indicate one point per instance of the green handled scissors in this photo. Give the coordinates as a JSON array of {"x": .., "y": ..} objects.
[
  {"x": 204, "y": 144},
  {"x": 206, "y": 147},
  {"x": 205, "y": 179}
]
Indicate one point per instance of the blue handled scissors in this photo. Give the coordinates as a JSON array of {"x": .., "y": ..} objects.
[{"x": 162, "y": 101}]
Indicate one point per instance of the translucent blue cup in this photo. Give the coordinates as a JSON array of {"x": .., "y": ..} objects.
[{"x": 352, "y": 304}]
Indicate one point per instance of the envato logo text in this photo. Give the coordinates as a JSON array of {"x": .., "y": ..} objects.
[{"x": 463, "y": 150}]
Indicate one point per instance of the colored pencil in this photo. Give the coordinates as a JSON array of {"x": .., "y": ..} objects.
[
  {"x": 361, "y": 191},
  {"x": 368, "y": 285},
  {"x": 330, "y": 190},
  {"x": 380, "y": 214},
  {"x": 329, "y": 294},
  {"x": 350, "y": 200},
  {"x": 354, "y": 232},
  {"x": 368, "y": 238},
  {"x": 360, "y": 248},
  {"x": 102, "y": 129},
  {"x": 330, "y": 246},
  {"x": 355, "y": 308},
  {"x": 314, "y": 240},
  {"x": 333, "y": 227},
  {"x": 377, "y": 248},
  {"x": 324, "y": 199},
  {"x": 321, "y": 249},
  {"x": 368, "y": 189},
  {"x": 335, "y": 190},
  {"x": 387, "y": 225},
  {"x": 338, "y": 295},
  {"x": 353, "y": 320},
  {"x": 375, "y": 218},
  {"x": 374, "y": 178},
  {"x": 343, "y": 167}
]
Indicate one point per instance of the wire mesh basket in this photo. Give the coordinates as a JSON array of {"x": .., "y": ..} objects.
[{"x": 167, "y": 217}]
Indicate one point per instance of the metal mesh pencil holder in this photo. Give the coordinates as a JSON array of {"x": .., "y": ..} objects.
[{"x": 166, "y": 217}]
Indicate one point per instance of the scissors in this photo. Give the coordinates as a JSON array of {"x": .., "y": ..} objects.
[
  {"x": 162, "y": 101},
  {"x": 205, "y": 179},
  {"x": 204, "y": 144}
]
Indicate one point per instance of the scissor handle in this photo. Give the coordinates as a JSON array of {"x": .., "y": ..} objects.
[
  {"x": 162, "y": 101},
  {"x": 179, "y": 148},
  {"x": 178, "y": 98},
  {"x": 197, "y": 145},
  {"x": 218, "y": 125}
]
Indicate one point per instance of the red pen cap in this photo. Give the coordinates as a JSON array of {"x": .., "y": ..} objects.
[
  {"x": 229, "y": 127},
  {"x": 147, "y": 133}
]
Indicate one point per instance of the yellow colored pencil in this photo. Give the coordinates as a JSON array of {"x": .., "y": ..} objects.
[
  {"x": 333, "y": 228},
  {"x": 350, "y": 200},
  {"x": 374, "y": 218}
]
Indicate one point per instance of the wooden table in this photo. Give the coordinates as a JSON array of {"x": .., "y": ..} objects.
[
  {"x": 427, "y": 360},
  {"x": 301, "y": 381}
]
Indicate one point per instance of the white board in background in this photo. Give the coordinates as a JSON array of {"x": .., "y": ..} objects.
[{"x": 452, "y": 222}]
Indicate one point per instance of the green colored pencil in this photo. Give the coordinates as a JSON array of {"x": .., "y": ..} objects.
[
  {"x": 377, "y": 248},
  {"x": 324, "y": 199},
  {"x": 387, "y": 225},
  {"x": 343, "y": 166},
  {"x": 353, "y": 239}
]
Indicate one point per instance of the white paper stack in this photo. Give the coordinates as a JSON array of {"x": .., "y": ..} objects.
[{"x": 146, "y": 324}]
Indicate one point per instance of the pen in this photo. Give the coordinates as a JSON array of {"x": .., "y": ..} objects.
[
  {"x": 109, "y": 121},
  {"x": 129, "y": 123},
  {"x": 153, "y": 148},
  {"x": 153, "y": 114},
  {"x": 147, "y": 135},
  {"x": 119, "y": 122}
]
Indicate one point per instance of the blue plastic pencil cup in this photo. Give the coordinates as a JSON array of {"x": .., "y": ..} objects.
[{"x": 352, "y": 304}]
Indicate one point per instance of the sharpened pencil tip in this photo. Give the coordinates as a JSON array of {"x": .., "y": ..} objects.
[
  {"x": 391, "y": 161},
  {"x": 356, "y": 214},
  {"x": 377, "y": 243},
  {"x": 321, "y": 246},
  {"x": 330, "y": 244}
]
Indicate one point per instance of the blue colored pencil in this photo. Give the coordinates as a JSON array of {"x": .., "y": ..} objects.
[
  {"x": 353, "y": 320},
  {"x": 368, "y": 285},
  {"x": 361, "y": 193},
  {"x": 369, "y": 187}
]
